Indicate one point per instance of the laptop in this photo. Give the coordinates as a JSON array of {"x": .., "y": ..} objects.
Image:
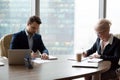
[{"x": 16, "y": 56}]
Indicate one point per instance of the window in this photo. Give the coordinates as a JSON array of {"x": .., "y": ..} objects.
[
  {"x": 113, "y": 14},
  {"x": 86, "y": 16},
  {"x": 13, "y": 15},
  {"x": 68, "y": 25},
  {"x": 57, "y": 26}
]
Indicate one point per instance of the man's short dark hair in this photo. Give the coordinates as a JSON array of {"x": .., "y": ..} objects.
[{"x": 34, "y": 19}]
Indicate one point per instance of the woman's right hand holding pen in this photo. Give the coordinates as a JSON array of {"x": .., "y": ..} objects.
[{"x": 84, "y": 54}]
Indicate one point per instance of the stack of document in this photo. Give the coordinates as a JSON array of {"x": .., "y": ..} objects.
[
  {"x": 85, "y": 65},
  {"x": 87, "y": 62}
]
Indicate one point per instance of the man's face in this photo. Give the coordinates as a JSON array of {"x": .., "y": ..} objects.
[{"x": 32, "y": 28}]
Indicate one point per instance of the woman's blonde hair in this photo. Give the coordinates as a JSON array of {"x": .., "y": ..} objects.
[{"x": 103, "y": 24}]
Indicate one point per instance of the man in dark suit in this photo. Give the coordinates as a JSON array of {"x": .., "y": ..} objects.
[
  {"x": 107, "y": 47},
  {"x": 29, "y": 39}
]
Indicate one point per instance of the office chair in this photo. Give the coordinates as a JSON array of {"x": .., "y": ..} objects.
[
  {"x": 117, "y": 35},
  {"x": 5, "y": 44},
  {"x": 118, "y": 71}
]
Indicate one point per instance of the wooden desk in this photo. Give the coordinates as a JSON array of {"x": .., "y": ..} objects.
[{"x": 60, "y": 69}]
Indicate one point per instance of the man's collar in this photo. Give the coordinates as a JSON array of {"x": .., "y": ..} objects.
[{"x": 28, "y": 34}]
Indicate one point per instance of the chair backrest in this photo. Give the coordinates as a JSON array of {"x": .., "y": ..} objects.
[
  {"x": 117, "y": 35},
  {"x": 5, "y": 44}
]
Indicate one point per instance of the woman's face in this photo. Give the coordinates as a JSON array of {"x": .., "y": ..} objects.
[{"x": 102, "y": 34}]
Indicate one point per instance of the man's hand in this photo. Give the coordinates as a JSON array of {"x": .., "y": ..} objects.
[{"x": 34, "y": 55}]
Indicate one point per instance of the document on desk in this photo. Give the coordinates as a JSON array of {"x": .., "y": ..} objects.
[
  {"x": 1, "y": 59},
  {"x": 40, "y": 61},
  {"x": 1, "y": 64},
  {"x": 94, "y": 60},
  {"x": 88, "y": 59},
  {"x": 51, "y": 57},
  {"x": 85, "y": 65}
]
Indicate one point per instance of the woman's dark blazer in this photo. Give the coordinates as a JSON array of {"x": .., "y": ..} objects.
[{"x": 110, "y": 53}]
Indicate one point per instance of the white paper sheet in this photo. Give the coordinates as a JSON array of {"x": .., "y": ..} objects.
[
  {"x": 51, "y": 57},
  {"x": 94, "y": 60},
  {"x": 40, "y": 61},
  {"x": 1, "y": 64}
]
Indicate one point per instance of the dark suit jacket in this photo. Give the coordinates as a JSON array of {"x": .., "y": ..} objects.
[
  {"x": 111, "y": 52},
  {"x": 20, "y": 41}
]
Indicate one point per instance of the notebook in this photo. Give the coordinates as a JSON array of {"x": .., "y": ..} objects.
[
  {"x": 16, "y": 56},
  {"x": 85, "y": 65}
]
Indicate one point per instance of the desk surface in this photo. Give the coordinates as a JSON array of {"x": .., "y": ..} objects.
[{"x": 60, "y": 69}]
